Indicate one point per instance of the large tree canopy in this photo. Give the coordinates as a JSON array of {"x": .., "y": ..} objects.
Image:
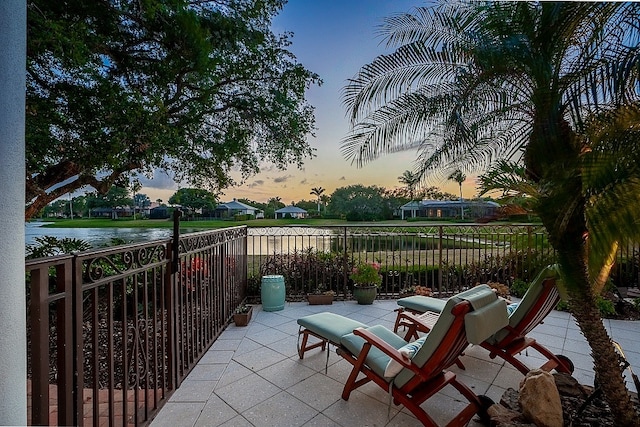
[
  {"x": 194, "y": 199},
  {"x": 117, "y": 88},
  {"x": 358, "y": 202}
]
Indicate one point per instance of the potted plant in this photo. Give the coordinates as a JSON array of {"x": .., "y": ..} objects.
[
  {"x": 366, "y": 280},
  {"x": 321, "y": 297},
  {"x": 242, "y": 315}
]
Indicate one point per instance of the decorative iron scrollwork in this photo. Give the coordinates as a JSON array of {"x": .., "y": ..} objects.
[{"x": 116, "y": 262}]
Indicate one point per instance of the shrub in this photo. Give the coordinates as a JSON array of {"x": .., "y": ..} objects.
[
  {"x": 366, "y": 274},
  {"x": 523, "y": 265},
  {"x": 519, "y": 287},
  {"x": 354, "y": 216},
  {"x": 606, "y": 307},
  {"x": 306, "y": 270},
  {"x": 562, "y": 305},
  {"x": 47, "y": 246}
]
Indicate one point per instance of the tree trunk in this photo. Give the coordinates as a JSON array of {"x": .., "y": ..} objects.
[
  {"x": 554, "y": 149},
  {"x": 608, "y": 371},
  {"x": 607, "y": 368}
]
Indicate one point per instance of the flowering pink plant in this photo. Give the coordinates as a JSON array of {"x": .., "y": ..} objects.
[{"x": 366, "y": 274}]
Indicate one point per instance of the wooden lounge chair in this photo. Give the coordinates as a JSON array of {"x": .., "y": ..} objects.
[
  {"x": 541, "y": 297},
  {"x": 384, "y": 358}
]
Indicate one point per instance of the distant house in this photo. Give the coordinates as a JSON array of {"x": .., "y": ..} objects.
[
  {"x": 291, "y": 212},
  {"x": 410, "y": 210},
  {"x": 160, "y": 212},
  {"x": 234, "y": 207},
  {"x": 114, "y": 213},
  {"x": 447, "y": 209}
]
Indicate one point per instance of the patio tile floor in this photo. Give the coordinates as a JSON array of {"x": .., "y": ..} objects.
[{"x": 252, "y": 375}]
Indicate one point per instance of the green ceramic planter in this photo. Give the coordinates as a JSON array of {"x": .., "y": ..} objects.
[{"x": 365, "y": 294}]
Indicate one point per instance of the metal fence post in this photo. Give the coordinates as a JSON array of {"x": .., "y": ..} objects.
[
  {"x": 345, "y": 262},
  {"x": 170, "y": 297},
  {"x": 439, "y": 260},
  {"x": 529, "y": 232},
  {"x": 77, "y": 324}
]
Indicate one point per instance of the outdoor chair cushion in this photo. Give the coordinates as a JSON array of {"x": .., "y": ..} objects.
[
  {"x": 376, "y": 359},
  {"x": 421, "y": 303},
  {"x": 479, "y": 297},
  {"x": 483, "y": 322},
  {"x": 408, "y": 350},
  {"x": 329, "y": 325},
  {"x": 528, "y": 300}
]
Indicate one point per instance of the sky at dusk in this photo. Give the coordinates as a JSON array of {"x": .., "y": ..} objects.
[{"x": 332, "y": 38}]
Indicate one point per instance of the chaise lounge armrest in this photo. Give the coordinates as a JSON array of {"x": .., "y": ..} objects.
[{"x": 386, "y": 348}]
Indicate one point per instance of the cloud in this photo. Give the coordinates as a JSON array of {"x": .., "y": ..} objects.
[
  {"x": 342, "y": 178},
  {"x": 256, "y": 183},
  {"x": 303, "y": 182},
  {"x": 280, "y": 179},
  {"x": 161, "y": 181}
]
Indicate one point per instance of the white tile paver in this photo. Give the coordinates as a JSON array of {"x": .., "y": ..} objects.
[{"x": 252, "y": 375}]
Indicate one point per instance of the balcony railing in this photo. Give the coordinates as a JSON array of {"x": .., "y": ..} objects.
[
  {"x": 445, "y": 258},
  {"x": 112, "y": 332}
]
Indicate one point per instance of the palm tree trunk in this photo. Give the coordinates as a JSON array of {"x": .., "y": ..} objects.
[
  {"x": 607, "y": 368},
  {"x": 608, "y": 371}
]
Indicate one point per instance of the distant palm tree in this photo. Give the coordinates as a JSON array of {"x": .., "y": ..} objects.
[
  {"x": 325, "y": 200},
  {"x": 317, "y": 191},
  {"x": 275, "y": 202},
  {"x": 410, "y": 180},
  {"x": 474, "y": 83},
  {"x": 459, "y": 177},
  {"x": 136, "y": 186}
]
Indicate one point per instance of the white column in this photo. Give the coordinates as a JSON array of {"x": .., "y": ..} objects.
[{"x": 13, "y": 353}]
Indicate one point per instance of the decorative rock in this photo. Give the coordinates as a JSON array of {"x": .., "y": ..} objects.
[
  {"x": 540, "y": 400},
  {"x": 509, "y": 400},
  {"x": 569, "y": 386}
]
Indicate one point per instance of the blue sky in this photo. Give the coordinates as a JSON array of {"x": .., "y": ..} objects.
[{"x": 333, "y": 38}]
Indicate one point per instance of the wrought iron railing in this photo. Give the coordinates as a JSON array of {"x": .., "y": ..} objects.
[
  {"x": 443, "y": 257},
  {"x": 112, "y": 332}
]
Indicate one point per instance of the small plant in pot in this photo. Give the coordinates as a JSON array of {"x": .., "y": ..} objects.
[
  {"x": 366, "y": 281},
  {"x": 242, "y": 315},
  {"x": 321, "y": 296}
]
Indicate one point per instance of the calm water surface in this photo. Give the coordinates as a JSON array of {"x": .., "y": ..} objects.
[
  {"x": 95, "y": 236},
  {"x": 260, "y": 241}
]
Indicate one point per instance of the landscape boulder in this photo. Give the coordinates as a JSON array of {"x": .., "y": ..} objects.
[{"x": 540, "y": 400}]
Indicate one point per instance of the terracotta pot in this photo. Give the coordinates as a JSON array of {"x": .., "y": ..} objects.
[
  {"x": 365, "y": 294},
  {"x": 242, "y": 319},
  {"x": 320, "y": 299}
]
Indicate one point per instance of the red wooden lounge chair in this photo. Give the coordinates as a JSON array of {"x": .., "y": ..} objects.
[
  {"x": 413, "y": 372},
  {"x": 541, "y": 297}
]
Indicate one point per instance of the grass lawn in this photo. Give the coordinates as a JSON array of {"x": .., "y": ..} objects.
[
  {"x": 413, "y": 226},
  {"x": 167, "y": 223}
]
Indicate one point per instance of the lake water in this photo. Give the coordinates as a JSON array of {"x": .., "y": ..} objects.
[
  {"x": 95, "y": 236},
  {"x": 260, "y": 240}
]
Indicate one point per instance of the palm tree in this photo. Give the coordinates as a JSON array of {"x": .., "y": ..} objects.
[
  {"x": 532, "y": 84},
  {"x": 135, "y": 188},
  {"x": 324, "y": 199},
  {"x": 459, "y": 177},
  {"x": 409, "y": 179},
  {"x": 276, "y": 202},
  {"x": 317, "y": 191}
]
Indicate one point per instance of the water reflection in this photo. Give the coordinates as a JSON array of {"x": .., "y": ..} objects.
[
  {"x": 261, "y": 241},
  {"x": 95, "y": 236}
]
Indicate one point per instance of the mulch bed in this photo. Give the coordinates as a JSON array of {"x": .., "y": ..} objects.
[{"x": 581, "y": 407}]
